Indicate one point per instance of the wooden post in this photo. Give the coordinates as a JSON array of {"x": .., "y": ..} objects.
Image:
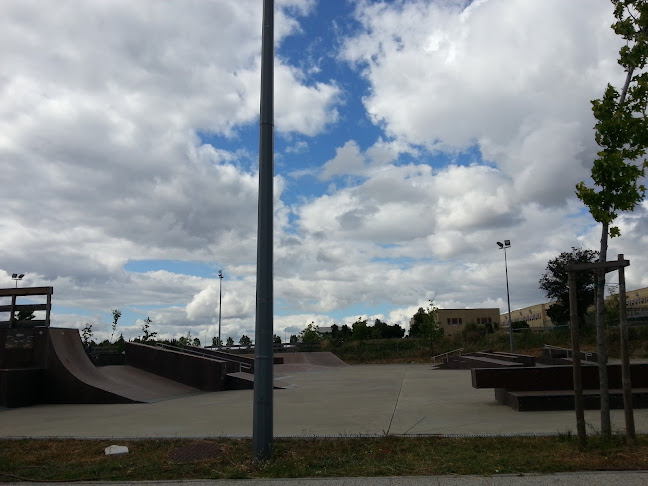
[
  {"x": 578, "y": 381},
  {"x": 625, "y": 358},
  {"x": 12, "y": 317}
]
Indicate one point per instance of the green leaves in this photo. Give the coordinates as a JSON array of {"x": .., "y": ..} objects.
[{"x": 621, "y": 125}]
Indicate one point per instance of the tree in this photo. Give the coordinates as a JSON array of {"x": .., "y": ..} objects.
[
  {"x": 519, "y": 326},
  {"x": 425, "y": 324},
  {"x": 554, "y": 283},
  {"x": 360, "y": 330},
  {"x": 121, "y": 343},
  {"x": 86, "y": 335},
  {"x": 186, "y": 340},
  {"x": 146, "y": 334},
  {"x": 346, "y": 333},
  {"x": 622, "y": 134},
  {"x": 230, "y": 341},
  {"x": 294, "y": 339},
  {"x": 276, "y": 339},
  {"x": 472, "y": 333},
  {"x": 217, "y": 343},
  {"x": 310, "y": 335},
  {"x": 116, "y": 313},
  {"x": 245, "y": 341}
]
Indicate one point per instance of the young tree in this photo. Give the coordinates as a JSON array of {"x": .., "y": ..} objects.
[
  {"x": 186, "y": 340},
  {"x": 245, "y": 341},
  {"x": 554, "y": 283},
  {"x": 86, "y": 335},
  {"x": 425, "y": 324},
  {"x": 217, "y": 343},
  {"x": 146, "y": 334},
  {"x": 276, "y": 339},
  {"x": 622, "y": 134},
  {"x": 116, "y": 313},
  {"x": 230, "y": 341}
]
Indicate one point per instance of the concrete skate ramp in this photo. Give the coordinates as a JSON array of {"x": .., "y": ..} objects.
[
  {"x": 304, "y": 362},
  {"x": 72, "y": 378}
]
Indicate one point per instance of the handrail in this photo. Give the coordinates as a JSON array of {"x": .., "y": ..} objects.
[
  {"x": 447, "y": 353},
  {"x": 205, "y": 355},
  {"x": 586, "y": 354}
]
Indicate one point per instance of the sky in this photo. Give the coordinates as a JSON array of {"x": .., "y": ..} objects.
[{"x": 410, "y": 137}]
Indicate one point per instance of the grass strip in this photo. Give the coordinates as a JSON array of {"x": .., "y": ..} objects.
[{"x": 152, "y": 459}]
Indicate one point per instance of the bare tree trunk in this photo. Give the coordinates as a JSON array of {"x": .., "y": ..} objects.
[{"x": 601, "y": 340}]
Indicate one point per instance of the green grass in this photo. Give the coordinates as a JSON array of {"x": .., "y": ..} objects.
[{"x": 72, "y": 460}]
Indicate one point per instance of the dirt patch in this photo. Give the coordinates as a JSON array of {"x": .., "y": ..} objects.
[{"x": 196, "y": 451}]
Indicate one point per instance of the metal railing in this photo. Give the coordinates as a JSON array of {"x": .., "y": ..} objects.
[
  {"x": 211, "y": 355},
  {"x": 586, "y": 354},
  {"x": 460, "y": 350}
]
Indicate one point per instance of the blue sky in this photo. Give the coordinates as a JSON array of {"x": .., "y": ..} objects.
[{"x": 410, "y": 136}]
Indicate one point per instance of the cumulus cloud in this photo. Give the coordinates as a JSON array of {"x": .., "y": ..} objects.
[
  {"x": 492, "y": 74},
  {"x": 125, "y": 136}
]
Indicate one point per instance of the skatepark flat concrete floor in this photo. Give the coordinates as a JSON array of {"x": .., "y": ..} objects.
[{"x": 341, "y": 401}]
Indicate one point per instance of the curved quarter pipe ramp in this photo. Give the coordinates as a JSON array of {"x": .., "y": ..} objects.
[{"x": 72, "y": 378}]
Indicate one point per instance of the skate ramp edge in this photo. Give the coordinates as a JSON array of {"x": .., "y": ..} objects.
[{"x": 73, "y": 378}]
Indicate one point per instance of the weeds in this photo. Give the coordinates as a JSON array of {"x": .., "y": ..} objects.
[{"x": 71, "y": 460}]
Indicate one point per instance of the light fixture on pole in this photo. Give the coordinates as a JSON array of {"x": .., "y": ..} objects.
[
  {"x": 17, "y": 277},
  {"x": 504, "y": 246}
]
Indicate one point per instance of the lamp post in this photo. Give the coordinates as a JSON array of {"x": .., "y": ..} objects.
[
  {"x": 220, "y": 300},
  {"x": 504, "y": 246},
  {"x": 17, "y": 277}
]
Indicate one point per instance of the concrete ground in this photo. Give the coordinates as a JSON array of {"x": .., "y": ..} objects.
[{"x": 348, "y": 400}]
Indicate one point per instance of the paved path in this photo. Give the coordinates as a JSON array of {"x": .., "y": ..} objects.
[
  {"x": 568, "y": 479},
  {"x": 350, "y": 400},
  {"x": 353, "y": 400}
]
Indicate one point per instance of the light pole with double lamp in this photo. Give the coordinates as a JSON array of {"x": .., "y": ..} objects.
[
  {"x": 504, "y": 246},
  {"x": 220, "y": 301},
  {"x": 17, "y": 277}
]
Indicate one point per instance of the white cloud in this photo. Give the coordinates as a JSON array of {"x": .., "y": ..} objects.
[
  {"x": 124, "y": 135},
  {"x": 496, "y": 75}
]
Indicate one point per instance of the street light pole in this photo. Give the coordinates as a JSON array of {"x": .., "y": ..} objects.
[
  {"x": 17, "y": 277},
  {"x": 220, "y": 301},
  {"x": 504, "y": 246}
]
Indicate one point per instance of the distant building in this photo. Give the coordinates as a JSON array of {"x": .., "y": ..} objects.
[
  {"x": 536, "y": 315},
  {"x": 453, "y": 321}
]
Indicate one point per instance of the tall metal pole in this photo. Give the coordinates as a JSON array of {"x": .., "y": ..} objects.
[
  {"x": 504, "y": 246},
  {"x": 262, "y": 433},
  {"x": 508, "y": 299},
  {"x": 220, "y": 306}
]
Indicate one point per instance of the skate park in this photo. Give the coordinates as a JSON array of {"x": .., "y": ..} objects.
[{"x": 49, "y": 388}]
